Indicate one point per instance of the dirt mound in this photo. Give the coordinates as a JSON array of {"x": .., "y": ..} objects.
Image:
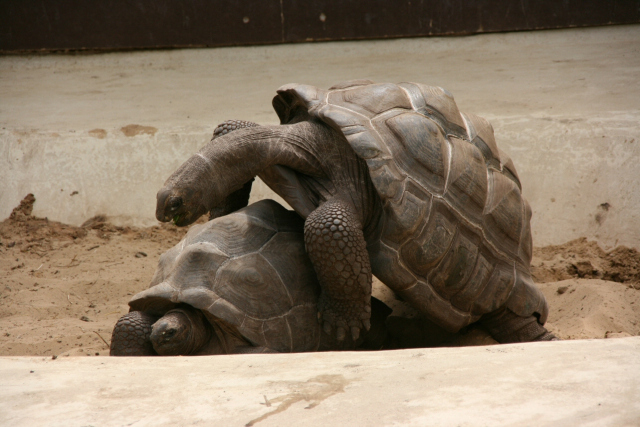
[
  {"x": 582, "y": 308},
  {"x": 583, "y": 259},
  {"x": 33, "y": 234}
]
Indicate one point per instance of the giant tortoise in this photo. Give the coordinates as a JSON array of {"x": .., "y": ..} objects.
[
  {"x": 392, "y": 179},
  {"x": 241, "y": 283}
]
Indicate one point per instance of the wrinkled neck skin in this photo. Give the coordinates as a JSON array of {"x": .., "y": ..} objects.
[
  {"x": 318, "y": 162},
  {"x": 236, "y": 158}
]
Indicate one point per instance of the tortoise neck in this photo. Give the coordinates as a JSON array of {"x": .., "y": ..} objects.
[{"x": 228, "y": 162}]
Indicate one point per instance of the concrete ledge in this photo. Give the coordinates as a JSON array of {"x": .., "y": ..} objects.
[{"x": 593, "y": 382}]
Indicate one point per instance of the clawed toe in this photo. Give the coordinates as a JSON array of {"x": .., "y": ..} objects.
[{"x": 355, "y": 333}]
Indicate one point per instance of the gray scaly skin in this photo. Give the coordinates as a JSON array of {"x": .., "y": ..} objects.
[
  {"x": 131, "y": 335},
  {"x": 335, "y": 191},
  {"x": 240, "y": 198}
]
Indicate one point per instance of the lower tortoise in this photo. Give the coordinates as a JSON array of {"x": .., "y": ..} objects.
[{"x": 241, "y": 283}]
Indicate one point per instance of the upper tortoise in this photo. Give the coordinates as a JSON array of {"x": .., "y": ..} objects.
[{"x": 392, "y": 179}]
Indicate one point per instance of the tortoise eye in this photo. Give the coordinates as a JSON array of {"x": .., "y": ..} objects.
[{"x": 175, "y": 202}]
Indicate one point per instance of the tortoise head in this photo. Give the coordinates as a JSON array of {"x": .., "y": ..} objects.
[
  {"x": 181, "y": 204},
  {"x": 181, "y": 331}
]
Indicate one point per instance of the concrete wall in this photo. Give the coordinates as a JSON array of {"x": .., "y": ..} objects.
[{"x": 564, "y": 104}]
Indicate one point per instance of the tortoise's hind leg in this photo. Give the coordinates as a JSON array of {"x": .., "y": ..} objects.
[
  {"x": 131, "y": 335},
  {"x": 507, "y": 327}
]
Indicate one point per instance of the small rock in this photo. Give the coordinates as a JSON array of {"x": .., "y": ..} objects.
[
  {"x": 54, "y": 357},
  {"x": 141, "y": 255},
  {"x": 562, "y": 289},
  {"x": 585, "y": 269},
  {"x": 85, "y": 319}
]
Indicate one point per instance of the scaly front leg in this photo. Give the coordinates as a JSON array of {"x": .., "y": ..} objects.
[
  {"x": 336, "y": 246},
  {"x": 130, "y": 336}
]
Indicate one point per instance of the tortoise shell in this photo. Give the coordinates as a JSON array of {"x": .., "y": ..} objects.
[
  {"x": 456, "y": 241},
  {"x": 249, "y": 270}
]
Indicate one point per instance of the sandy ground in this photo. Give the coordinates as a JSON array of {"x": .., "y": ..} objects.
[{"x": 64, "y": 287}]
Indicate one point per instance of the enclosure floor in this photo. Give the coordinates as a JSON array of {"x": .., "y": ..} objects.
[{"x": 563, "y": 383}]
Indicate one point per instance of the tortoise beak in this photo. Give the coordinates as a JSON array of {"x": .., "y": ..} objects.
[
  {"x": 162, "y": 197},
  {"x": 169, "y": 206}
]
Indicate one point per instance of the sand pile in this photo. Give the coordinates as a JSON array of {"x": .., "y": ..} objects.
[{"x": 64, "y": 287}]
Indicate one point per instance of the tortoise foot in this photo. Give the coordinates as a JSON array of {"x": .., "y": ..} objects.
[
  {"x": 131, "y": 335},
  {"x": 507, "y": 327},
  {"x": 343, "y": 316}
]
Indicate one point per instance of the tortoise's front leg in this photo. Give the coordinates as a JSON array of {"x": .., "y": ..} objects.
[
  {"x": 337, "y": 249},
  {"x": 131, "y": 334}
]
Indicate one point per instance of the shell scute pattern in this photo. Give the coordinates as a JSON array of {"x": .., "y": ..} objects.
[
  {"x": 252, "y": 283},
  {"x": 455, "y": 270},
  {"x": 456, "y": 224},
  {"x": 466, "y": 185},
  {"x": 423, "y": 252},
  {"x": 504, "y": 213},
  {"x": 436, "y": 102},
  {"x": 477, "y": 282},
  {"x": 390, "y": 269},
  {"x": 277, "y": 333},
  {"x": 351, "y": 83},
  {"x": 230, "y": 235},
  {"x": 356, "y": 129},
  {"x": 422, "y": 148},
  {"x": 424, "y": 298},
  {"x": 480, "y": 133},
  {"x": 275, "y": 252},
  {"x": 509, "y": 169},
  {"x": 407, "y": 215},
  {"x": 526, "y": 242},
  {"x": 494, "y": 296},
  {"x": 372, "y": 99}
]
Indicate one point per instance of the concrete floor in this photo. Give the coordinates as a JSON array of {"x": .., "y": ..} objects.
[
  {"x": 565, "y": 105},
  {"x": 567, "y": 383}
]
